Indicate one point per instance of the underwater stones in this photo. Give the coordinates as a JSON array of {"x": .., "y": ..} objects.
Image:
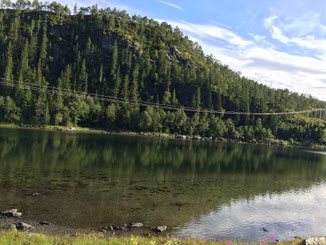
[
  {"x": 160, "y": 228},
  {"x": 135, "y": 225},
  {"x": 36, "y": 194},
  {"x": 107, "y": 228},
  {"x": 121, "y": 227},
  {"x": 44, "y": 223},
  {"x": 23, "y": 226},
  {"x": 12, "y": 213}
]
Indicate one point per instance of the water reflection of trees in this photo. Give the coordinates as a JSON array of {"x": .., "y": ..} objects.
[
  {"x": 54, "y": 151},
  {"x": 152, "y": 176}
]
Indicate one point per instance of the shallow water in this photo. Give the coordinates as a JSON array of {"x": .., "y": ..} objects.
[{"x": 200, "y": 190}]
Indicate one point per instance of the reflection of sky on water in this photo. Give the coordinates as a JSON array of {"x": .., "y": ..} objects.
[
  {"x": 317, "y": 152},
  {"x": 293, "y": 213}
]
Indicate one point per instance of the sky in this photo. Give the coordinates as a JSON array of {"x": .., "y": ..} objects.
[{"x": 280, "y": 43}]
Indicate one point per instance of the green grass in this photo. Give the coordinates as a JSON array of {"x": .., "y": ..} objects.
[{"x": 14, "y": 237}]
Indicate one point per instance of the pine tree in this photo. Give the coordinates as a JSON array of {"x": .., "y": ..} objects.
[
  {"x": 134, "y": 86},
  {"x": 125, "y": 88},
  {"x": 174, "y": 100},
  {"x": 210, "y": 102},
  {"x": 83, "y": 76},
  {"x": 198, "y": 100},
  {"x": 117, "y": 84},
  {"x": 43, "y": 50},
  {"x": 114, "y": 61},
  {"x": 75, "y": 9},
  {"x": 8, "y": 75},
  {"x": 64, "y": 81}
]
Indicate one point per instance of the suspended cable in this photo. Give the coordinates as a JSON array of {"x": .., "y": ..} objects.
[{"x": 112, "y": 99}]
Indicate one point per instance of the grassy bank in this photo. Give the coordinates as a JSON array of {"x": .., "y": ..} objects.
[{"x": 15, "y": 237}]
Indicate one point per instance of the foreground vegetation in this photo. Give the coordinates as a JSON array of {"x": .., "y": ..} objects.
[
  {"x": 14, "y": 237},
  {"x": 133, "y": 60}
]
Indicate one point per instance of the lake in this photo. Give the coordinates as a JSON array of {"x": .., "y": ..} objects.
[{"x": 202, "y": 190}]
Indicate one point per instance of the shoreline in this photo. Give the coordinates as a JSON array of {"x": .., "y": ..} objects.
[
  {"x": 84, "y": 130},
  {"x": 54, "y": 234}
]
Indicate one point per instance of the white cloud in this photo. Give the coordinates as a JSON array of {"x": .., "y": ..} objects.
[
  {"x": 171, "y": 5},
  {"x": 212, "y": 31},
  {"x": 279, "y": 30},
  {"x": 305, "y": 25},
  {"x": 258, "y": 60},
  {"x": 258, "y": 38}
]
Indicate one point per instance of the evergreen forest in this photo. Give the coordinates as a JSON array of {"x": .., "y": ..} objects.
[{"x": 55, "y": 62}]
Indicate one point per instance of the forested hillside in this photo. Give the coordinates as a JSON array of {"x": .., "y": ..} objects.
[{"x": 135, "y": 59}]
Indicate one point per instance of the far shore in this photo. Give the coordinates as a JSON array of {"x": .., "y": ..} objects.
[{"x": 66, "y": 129}]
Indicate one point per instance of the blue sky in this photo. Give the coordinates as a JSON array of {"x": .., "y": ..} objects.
[{"x": 280, "y": 43}]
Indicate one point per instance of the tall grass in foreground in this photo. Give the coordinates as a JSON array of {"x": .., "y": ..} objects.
[{"x": 14, "y": 237}]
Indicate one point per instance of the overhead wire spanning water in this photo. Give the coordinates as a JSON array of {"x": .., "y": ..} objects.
[{"x": 113, "y": 99}]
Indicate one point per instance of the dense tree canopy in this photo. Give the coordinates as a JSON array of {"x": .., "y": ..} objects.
[{"x": 107, "y": 52}]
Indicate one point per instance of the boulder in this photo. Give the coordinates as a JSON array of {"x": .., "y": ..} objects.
[
  {"x": 161, "y": 228},
  {"x": 121, "y": 227},
  {"x": 44, "y": 223},
  {"x": 12, "y": 213},
  {"x": 107, "y": 228},
  {"x": 36, "y": 194},
  {"x": 23, "y": 226},
  {"x": 135, "y": 225}
]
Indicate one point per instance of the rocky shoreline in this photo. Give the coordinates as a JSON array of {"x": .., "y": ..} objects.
[{"x": 13, "y": 219}]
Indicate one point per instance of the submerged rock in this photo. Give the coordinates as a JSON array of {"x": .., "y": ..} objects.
[
  {"x": 12, "y": 213},
  {"x": 36, "y": 194},
  {"x": 102, "y": 230},
  {"x": 44, "y": 223},
  {"x": 23, "y": 226},
  {"x": 107, "y": 228},
  {"x": 161, "y": 228},
  {"x": 121, "y": 227},
  {"x": 135, "y": 225}
]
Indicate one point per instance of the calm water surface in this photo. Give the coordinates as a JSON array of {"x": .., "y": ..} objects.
[{"x": 200, "y": 190}]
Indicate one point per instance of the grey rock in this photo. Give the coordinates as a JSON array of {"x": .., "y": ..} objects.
[
  {"x": 161, "y": 228},
  {"x": 135, "y": 225},
  {"x": 122, "y": 227},
  {"x": 108, "y": 228},
  {"x": 23, "y": 226},
  {"x": 12, "y": 213},
  {"x": 36, "y": 194},
  {"x": 181, "y": 137},
  {"x": 315, "y": 241},
  {"x": 44, "y": 223}
]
